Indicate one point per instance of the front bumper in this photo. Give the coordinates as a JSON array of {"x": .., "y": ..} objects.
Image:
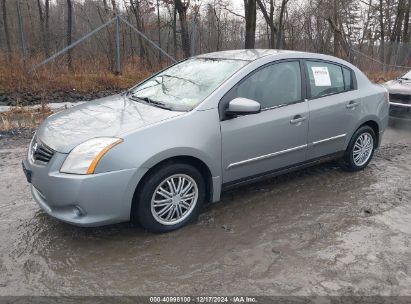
[
  {"x": 83, "y": 200},
  {"x": 400, "y": 105},
  {"x": 400, "y": 110}
]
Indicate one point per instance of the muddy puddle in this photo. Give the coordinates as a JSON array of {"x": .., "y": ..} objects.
[{"x": 320, "y": 231}]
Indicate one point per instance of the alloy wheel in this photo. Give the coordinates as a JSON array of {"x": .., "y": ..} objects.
[
  {"x": 174, "y": 199},
  {"x": 363, "y": 148}
]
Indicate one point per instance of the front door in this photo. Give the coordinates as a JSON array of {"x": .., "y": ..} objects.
[{"x": 274, "y": 138}]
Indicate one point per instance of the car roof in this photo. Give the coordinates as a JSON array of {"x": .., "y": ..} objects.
[{"x": 248, "y": 54}]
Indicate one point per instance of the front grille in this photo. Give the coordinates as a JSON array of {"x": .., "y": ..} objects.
[
  {"x": 40, "y": 152},
  {"x": 400, "y": 98}
]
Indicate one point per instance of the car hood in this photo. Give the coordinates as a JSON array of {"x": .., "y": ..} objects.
[
  {"x": 398, "y": 87},
  {"x": 109, "y": 116}
]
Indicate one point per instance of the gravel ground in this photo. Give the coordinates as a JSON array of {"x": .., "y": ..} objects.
[{"x": 319, "y": 231}]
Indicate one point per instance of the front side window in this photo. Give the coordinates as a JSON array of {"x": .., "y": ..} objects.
[
  {"x": 326, "y": 78},
  {"x": 186, "y": 84},
  {"x": 274, "y": 85}
]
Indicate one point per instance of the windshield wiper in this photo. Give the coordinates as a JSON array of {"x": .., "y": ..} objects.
[
  {"x": 405, "y": 78},
  {"x": 152, "y": 102}
]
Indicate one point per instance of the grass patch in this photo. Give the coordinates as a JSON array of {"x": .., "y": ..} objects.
[
  {"x": 86, "y": 76},
  {"x": 23, "y": 117},
  {"x": 381, "y": 77}
]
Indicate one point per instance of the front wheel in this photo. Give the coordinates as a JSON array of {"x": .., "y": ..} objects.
[
  {"x": 170, "y": 198},
  {"x": 360, "y": 149}
]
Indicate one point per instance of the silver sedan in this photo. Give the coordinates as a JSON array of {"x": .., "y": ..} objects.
[{"x": 158, "y": 152}]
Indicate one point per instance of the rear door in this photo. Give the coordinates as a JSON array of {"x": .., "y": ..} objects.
[
  {"x": 333, "y": 104},
  {"x": 274, "y": 138}
]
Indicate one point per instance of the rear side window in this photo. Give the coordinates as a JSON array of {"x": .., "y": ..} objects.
[
  {"x": 327, "y": 78},
  {"x": 273, "y": 85}
]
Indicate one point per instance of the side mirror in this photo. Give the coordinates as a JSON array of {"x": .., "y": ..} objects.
[{"x": 243, "y": 106}]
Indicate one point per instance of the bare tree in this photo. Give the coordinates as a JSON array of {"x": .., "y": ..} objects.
[
  {"x": 382, "y": 31},
  {"x": 218, "y": 21},
  {"x": 380, "y": 28},
  {"x": 159, "y": 29},
  {"x": 182, "y": 7},
  {"x": 47, "y": 27},
  {"x": 250, "y": 10},
  {"x": 269, "y": 19},
  {"x": 6, "y": 29},
  {"x": 69, "y": 32},
  {"x": 114, "y": 5},
  {"x": 406, "y": 34},
  {"x": 136, "y": 8},
  {"x": 42, "y": 27},
  {"x": 396, "y": 28},
  {"x": 281, "y": 24}
]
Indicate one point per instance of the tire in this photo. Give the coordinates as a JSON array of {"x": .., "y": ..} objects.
[
  {"x": 153, "y": 216},
  {"x": 352, "y": 160}
]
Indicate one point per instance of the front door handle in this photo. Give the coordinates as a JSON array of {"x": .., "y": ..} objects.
[
  {"x": 297, "y": 119},
  {"x": 351, "y": 105}
]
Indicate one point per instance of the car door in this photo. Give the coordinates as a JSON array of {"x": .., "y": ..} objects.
[
  {"x": 274, "y": 138},
  {"x": 333, "y": 105}
]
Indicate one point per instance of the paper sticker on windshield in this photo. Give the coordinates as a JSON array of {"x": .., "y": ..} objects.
[{"x": 321, "y": 76}]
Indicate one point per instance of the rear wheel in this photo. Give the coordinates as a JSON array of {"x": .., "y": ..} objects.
[
  {"x": 360, "y": 150},
  {"x": 170, "y": 197}
]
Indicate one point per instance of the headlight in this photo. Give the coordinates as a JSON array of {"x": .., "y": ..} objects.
[{"x": 84, "y": 158}]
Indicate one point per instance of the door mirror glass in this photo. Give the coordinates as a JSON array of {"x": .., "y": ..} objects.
[{"x": 243, "y": 106}]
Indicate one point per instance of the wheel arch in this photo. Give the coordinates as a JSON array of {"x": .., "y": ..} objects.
[
  {"x": 373, "y": 123},
  {"x": 196, "y": 162}
]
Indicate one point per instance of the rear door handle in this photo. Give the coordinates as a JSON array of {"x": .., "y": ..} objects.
[
  {"x": 297, "y": 119},
  {"x": 351, "y": 105}
]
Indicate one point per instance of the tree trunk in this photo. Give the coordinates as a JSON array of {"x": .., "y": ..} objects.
[
  {"x": 69, "y": 32},
  {"x": 340, "y": 37},
  {"x": 396, "y": 31},
  {"x": 367, "y": 22},
  {"x": 108, "y": 43},
  {"x": 139, "y": 23},
  {"x": 250, "y": 10},
  {"x": 42, "y": 25},
  {"x": 269, "y": 19},
  {"x": 382, "y": 31},
  {"x": 405, "y": 35},
  {"x": 114, "y": 5},
  {"x": 273, "y": 28},
  {"x": 280, "y": 25},
  {"x": 47, "y": 29},
  {"x": 159, "y": 30},
  {"x": 218, "y": 29},
  {"x": 175, "y": 30},
  {"x": 6, "y": 30},
  {"x": 182, "y": 13},
  {"x": 335, "y": 27},
  {"x": 105, "y": 6}
]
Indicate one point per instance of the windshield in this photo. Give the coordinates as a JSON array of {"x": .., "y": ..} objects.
[
  {"x": 186, "y": 84},
  {"x": 407, "y": 76}
]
